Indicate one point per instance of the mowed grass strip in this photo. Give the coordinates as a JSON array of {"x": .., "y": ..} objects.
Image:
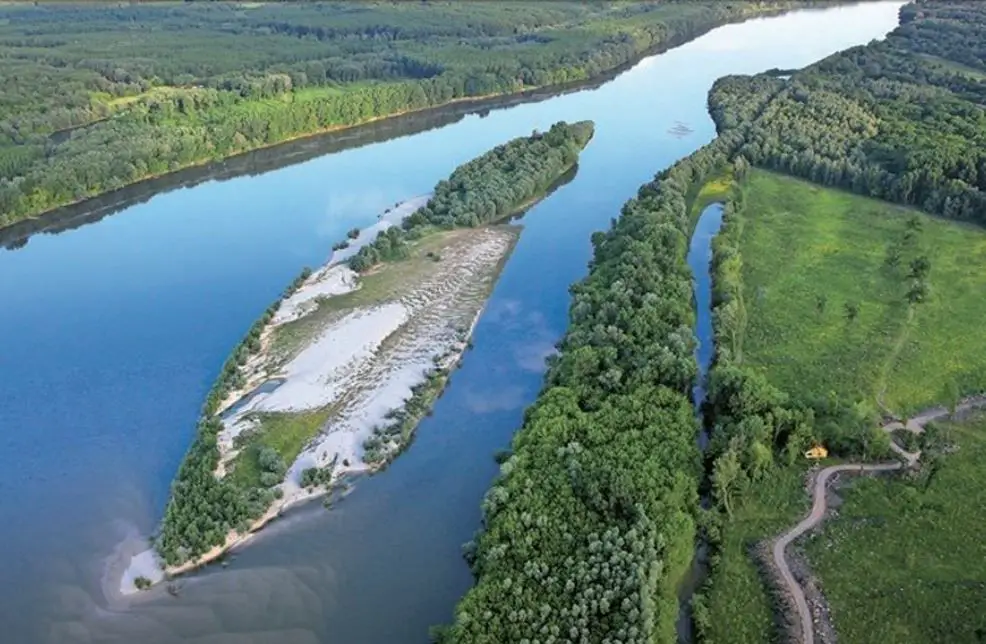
[
  {"x": 812, "y": 254},
  {"x": 906, "y": 563}
]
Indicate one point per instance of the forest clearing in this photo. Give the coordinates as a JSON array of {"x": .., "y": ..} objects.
[{"x": 827, "y": 277}]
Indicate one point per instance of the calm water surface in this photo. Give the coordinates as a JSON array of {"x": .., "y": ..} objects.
[{"x": 114, "y": 331}]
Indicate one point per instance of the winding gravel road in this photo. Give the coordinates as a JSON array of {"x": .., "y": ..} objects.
[{"x": 819, "y": 505}]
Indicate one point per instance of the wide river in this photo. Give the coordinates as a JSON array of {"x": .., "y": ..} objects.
[{"x": 113, "y": 332}]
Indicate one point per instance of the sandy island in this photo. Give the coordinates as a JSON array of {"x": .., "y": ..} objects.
[{"x": 352, "y": 347}]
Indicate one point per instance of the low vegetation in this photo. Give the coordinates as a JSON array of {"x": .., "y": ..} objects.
[
  {"x": 858, "y": 299},
  {"x": 904, "y": 560},
  {"x": 388, "y": 439},
  {"x": 737, "y": 608}
]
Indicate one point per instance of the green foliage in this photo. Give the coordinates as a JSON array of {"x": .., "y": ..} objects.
[
  {"x": 99, "y": 95},
  {"x": 387, "y": 440},
  {"x": 485, "y": 189},
  {"x": 316, "y": 476},
  {"x": 736, "y": 607},
  {"x": 793, "y": 243},
  {"x": 904, "y": 560},
  {"x": 590, "y": 525},
  {"x": 142, "y": 583},
  {"x": 881, "y": 120}
]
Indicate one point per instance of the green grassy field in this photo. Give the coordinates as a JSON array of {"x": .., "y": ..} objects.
[
  {"x": 904, "y": 563},
  {"x": 810, "y": 254},
  {"x": 740, "y": 610}
]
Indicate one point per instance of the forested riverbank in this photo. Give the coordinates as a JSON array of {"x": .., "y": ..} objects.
[
  {"x": 239, "y": 467},
  {"x": 900, "y": 119},
  {"x": 251, "y": 75},
  {"x": 831, "y": 308},
  {"x": 148, "y": 335}
]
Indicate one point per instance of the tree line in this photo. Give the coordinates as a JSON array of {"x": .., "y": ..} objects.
[
  {"x": 202, "y": 508},
  {"x": 485, "y": 189}
]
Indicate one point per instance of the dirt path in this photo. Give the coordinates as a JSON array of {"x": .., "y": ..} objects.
[{"x": 819, "y": 505}]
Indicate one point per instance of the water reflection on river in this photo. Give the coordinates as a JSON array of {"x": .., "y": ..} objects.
[{"x": 114, "y": 331}]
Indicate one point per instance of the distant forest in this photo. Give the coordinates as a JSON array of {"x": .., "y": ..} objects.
[{"x": 97, "y": 96}]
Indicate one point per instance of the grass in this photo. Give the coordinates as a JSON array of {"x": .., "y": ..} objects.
[
  {"x": 715, "y": 189},
  {"x": 740, "y": 609},
  {"x": 286, "y": 432},
  {"x": 809, "y": 252},
  {"x": 901, "y": 563}
]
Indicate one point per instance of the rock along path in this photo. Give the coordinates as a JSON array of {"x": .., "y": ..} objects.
[{"x": 819, "y": 504}]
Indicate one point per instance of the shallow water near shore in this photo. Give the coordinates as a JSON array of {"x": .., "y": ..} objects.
[{"x": 114, "y": 332}]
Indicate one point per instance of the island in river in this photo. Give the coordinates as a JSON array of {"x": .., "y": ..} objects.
[{"x": 334, "y": 377}]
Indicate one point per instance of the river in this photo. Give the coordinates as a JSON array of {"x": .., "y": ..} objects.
[{"x": 114, "y": 331}]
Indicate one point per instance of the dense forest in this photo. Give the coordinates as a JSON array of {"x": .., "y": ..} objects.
[
  {"x": 591, "y": 522},
  {"x": 97, "y": 96},
  {"x": 203, "y": 508},
  {"x": 902, "y": 119},
  {"x": 485, "y": 189}
]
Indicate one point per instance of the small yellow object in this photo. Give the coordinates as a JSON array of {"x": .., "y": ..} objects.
[{"x": 817, "y": 452}]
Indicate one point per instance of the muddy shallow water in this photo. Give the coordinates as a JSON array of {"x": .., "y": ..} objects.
[{"x": 116, "y": 329}]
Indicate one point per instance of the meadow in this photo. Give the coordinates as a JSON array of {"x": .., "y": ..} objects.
[
  {"x": 827, "y": 277},
  {"x": 738, "y": 606},
  {"x": 904, "y": 561}
]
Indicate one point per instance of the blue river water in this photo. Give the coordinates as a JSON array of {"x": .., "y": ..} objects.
[
  {"x": 114, "y": 331},
  {"x": 700, "y": 261}
]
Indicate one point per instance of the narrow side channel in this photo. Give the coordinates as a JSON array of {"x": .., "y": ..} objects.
[{"x": 700, "y": 262}]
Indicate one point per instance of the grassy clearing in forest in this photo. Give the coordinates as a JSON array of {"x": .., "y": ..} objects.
[
  {"x": 903, "y": 562},
  {"x": 812, "y": 255},
  {"x": 287, "y": 433},
  {"x": 740, "y": 610}
]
